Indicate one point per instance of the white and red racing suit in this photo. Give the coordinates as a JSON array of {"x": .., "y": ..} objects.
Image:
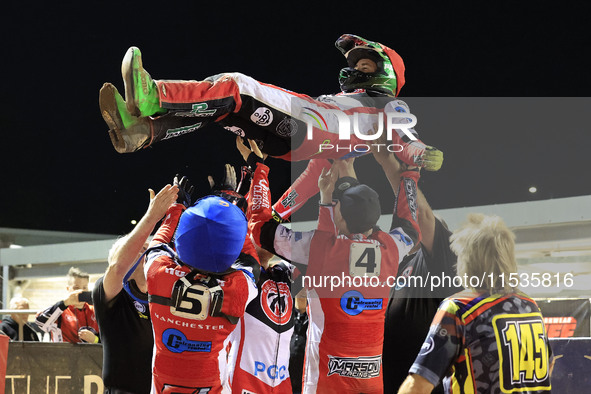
[
  {"x": 263, "y": 336},
  {"x": 277, "y": 118},
  {"x": 190, "y": 348},
  {"x": 63, "y": 322},
  {"x": 346, "y": 329},
  {"x": 261, "y": 342}
]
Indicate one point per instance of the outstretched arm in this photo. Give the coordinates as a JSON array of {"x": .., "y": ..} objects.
[
  {"x": 259, "y": 213},
  {"x": 126, "y": 250},
  {"x": 393, "y": 170},
  {"x": 303, "y": 188},
  {"x": 426, "y": 222},
  {"x": 266, "y": 231},
  {"x": 326, "y": 183}
]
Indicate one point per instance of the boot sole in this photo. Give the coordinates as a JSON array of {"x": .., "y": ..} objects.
[
  {"x": 111, "y": 116},
  {"x": 108, "y": 107}
]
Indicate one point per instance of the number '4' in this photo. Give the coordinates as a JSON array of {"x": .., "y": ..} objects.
[{"x": 367, "y": 260}]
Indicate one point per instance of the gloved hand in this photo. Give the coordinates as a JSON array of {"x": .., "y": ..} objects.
[
  {"x": 185, "y": 190},
  {"x": 227, "y": 188},
  {"x": 432, "y": 159},
  {"x": 227, "y": 183},
  {"x": 416, "y": 153}
]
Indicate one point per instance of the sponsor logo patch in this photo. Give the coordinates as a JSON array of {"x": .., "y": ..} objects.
[
  {"x": 262, "y": 116},
  {"x": 141, "y": 308},
  {"x": 273, "y": 372},
  {"x": 411, "y": 195},
  {"x": 427, "y": 346},
  {"x": 236, "y": 130},
  {"x": 175, "y": 272},
  {"x": 289, "y": 201},
  {"x": 402, "y": 237},
  {"x": 276, "y": 301},
  {"x": 355, "y": 367},
  {"x": 287, "y": 127},
  {"x": 202, "y": 109},
  {"x": 175, "y": 341},
  {"x": 180, "y": 131},
  {"x": 353, "y": 303}
]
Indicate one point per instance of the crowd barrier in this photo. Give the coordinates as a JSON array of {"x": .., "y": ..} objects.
[
  {"x": 64, "y": 368},
  {"x": 54, "y": 368}
]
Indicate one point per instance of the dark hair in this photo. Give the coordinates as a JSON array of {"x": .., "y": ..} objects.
[{"x": 77, "y": 273}]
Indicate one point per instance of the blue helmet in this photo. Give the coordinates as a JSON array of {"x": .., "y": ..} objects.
[{"x": 210, "y": 234}]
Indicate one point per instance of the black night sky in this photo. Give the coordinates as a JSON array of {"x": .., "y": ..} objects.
[{"x": 60, "y": 171}]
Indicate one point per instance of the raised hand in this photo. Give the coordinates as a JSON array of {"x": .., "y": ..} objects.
[{"x": 185, "y": 190}]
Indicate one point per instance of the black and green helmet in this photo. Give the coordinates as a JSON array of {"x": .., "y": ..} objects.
[{"x": 389, "y": 77}]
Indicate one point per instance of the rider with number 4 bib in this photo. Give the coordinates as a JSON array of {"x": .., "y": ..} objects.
[
  {"x": 346, "y": 331},
  {"x": 199, "y": 283}
]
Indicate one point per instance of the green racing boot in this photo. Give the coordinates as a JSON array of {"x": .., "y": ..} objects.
[
  {"x": 131, "y": 133},
  {"x": 141, "y": 92},
  {"x": 128, "y": 133}
]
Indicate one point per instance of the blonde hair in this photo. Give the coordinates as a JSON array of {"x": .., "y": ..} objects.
[
  {"x": 485, "y": 247},
  {"x": 15, "y": 301}
]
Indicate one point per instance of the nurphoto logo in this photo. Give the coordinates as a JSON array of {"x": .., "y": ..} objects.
[{"x": 357, "y": 129}]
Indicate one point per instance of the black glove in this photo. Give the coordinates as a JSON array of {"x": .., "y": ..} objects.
[
  {"x": 253, "y": 159},
  {"x": 227, "y": 188},
  {"x": 227, "y": 183},
  {"x": 185, "y": 190}
]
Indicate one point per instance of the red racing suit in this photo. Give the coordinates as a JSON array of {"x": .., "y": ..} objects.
[
  {"x": 277, "y": 118},
  {"x": 63, "y": 322},
  {"x": 190, "y": 350},
  {"x": 346, "y": 329}
]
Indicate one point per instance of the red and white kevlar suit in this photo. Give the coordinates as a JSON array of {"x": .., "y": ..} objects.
[
  {"x": 263, "y": 336},
  {"x": 278, "y": 119},
  {"x": 345, "y": 335}
]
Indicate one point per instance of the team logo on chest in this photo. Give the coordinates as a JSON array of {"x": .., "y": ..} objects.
[
  {"x": 141, "y": 309},
  {"x": 276, "y": 301}
]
